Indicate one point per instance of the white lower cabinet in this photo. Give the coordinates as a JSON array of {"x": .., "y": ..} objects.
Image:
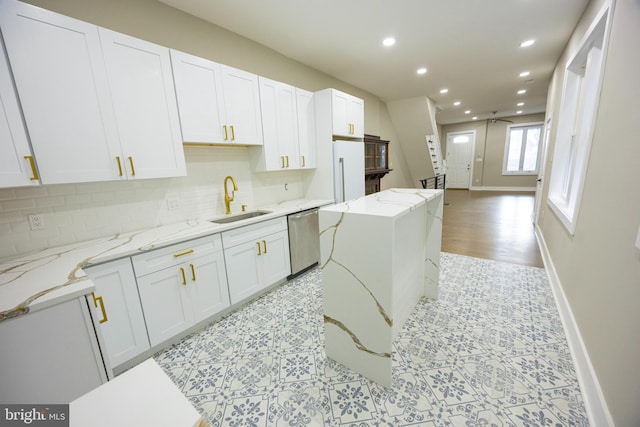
[
  {"x": 118, "y": 309},
  {"x": 50, "y": 355},
  {"x": 256, "y": 256},
  {"x": 181, "y": 285}
]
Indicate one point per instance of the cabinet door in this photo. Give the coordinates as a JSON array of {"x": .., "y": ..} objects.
[
  {"x": 121, "y": 322},
  {"x": 15, "y": 169},
  {"x": 145, "y": 106},
  {"x": 207, "y": 285},
  {"x": 242, "y": 270},
  {"x": 340, "y": 114},
  {"x": 306, "y": 129},
  {"x": 356, "y": 116},
  {"x": 200, "y": 100},
  {"x": 61, "y": 82},
  {"x": 275, "y": 262},
  {"x": 279, "y": 125},
  {"x": 242, "y": 106},
  {"x": 165, "y": 303},
  {"x": 348, "y": 115}
]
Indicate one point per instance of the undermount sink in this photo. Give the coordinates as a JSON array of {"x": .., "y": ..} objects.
[{"x": 239, "y": 217}]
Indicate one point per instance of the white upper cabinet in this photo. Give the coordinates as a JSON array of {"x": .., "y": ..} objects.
[
  {"x": 17, "y": 167},
  {"x": 348, "y": 115},
  {"x": 62, "y": 85},
  {"x": 217, "y": 104},
  {"x": 279, "y": 126},
  {"x": 145, "y": 107},
  {"x": 288, "y": 124},
  {"x": 306, "y": 129},
  {"x": 198, "y": 84},
  {"x": 242, "y": 106},
  {"x": 85, "y": 120}
]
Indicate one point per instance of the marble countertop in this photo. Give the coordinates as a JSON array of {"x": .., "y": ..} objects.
[
  {"x": 390, "y": 203},
  {"x": 41, "y": 279}
]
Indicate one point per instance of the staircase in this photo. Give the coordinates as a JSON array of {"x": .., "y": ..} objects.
[{"x": 414, "y": 120}]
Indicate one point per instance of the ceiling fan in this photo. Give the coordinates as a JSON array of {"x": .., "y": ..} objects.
[{"x": 494, "y": 119}]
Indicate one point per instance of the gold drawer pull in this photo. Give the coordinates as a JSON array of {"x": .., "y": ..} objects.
[
  {"x": 287, "y": 157},
  {"x": 259, "y": 249},
  {"x": 233, "y": 133},
  {"x": 97, "y": 300},
  {"x": 119, "y": 165},
  {"x": 190, "y": 251},
  {"x": 133, "y": 170},
  {"x": 265, "y": 247},
  {"x": 303, "y": 164},
  {"x": 193, "y": 272},
  {"x": 281, "y": 162},
  {"x": 34, "y": 171},
  {"x": 226, "y": 135},
  {"x": 184, "y": 277}
]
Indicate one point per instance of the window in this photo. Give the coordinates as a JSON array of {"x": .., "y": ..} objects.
[
  {"x": 583, "y": 77},
  {"x": 521, "y": 149}
]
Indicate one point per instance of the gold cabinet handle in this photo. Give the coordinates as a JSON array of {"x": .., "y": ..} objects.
[
  {"x": 193, "y": 272},
  {"x": 184, "y": 277},
  {"x": 178, "y": 255},
  {"x": 265, "y": 247},
  {"x": 226, "y": 135},
  {"x": 34, "y": 171},
  {"x": 119, "y": 165},
  {"x": 281, "y": 162},
  {"x": 133, "y": 170},
  {"x": 97, "y": 300},
  {"x": 303, "y": 164},
  {"x": 233, "y": 133},
  {"x": 287, "y": 157},
  {"x": 259, "y": 249}
]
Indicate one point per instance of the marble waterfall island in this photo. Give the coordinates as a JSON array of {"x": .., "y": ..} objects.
[{"x": 379, "y": 255}]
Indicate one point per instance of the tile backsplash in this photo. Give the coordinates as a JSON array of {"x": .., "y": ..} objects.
[{"x": 77, "y": 212}]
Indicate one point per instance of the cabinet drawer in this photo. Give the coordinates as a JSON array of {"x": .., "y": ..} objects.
[
  {"x": 257, "y": 231},
  {"x": 162, "y": 258}
]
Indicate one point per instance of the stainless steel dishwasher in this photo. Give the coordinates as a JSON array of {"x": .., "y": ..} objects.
[{"x": 304, "y": 241}]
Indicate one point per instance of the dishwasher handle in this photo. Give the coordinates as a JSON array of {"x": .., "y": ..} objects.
[{"x": 304, "y": 214}]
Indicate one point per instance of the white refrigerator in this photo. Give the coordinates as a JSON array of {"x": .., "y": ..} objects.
[{"x": 348, "y": 170}]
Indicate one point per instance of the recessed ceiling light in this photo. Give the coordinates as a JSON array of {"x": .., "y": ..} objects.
[
  {"x": 474, "y": 118},
  {"x": 519, "y": 112},
  {"x": 521, "y": 91},
  {"x": 520, "y": 104},
  {"x": 389, "y": 41},
  {"x": 524, "y": 73},
  {"x": 422, "y": 70},
  {"x": 527, "y": 43},
  {"x": 467, "y": 111},
  {"x": 444, "y": 90},
  {"x": 457, "y": 103}
]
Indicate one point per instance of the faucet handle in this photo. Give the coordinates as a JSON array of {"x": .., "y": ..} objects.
[{"x": 244, "y": 208}]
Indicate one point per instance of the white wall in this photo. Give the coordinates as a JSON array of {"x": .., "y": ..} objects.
[{"x": 598, "y": 268}]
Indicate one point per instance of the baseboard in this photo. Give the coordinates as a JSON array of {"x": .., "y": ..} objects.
[
  {"x": 514, "y": 189},
  {"x": 594, "y": 401}
]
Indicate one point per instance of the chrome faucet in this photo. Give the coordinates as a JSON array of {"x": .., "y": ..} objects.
[{"x": 228, "y": 199}]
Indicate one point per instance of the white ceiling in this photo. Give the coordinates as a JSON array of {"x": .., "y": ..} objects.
[{"x": 470, "y": 47}]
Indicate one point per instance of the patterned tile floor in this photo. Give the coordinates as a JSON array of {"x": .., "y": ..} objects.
[{"x": 489, "y": 352}]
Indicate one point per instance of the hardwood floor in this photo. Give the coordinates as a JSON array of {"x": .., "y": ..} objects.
[{"x": 491, "y": 225}]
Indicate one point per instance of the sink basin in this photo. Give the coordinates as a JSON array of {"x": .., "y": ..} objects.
[{"x": 239, "y": 217}]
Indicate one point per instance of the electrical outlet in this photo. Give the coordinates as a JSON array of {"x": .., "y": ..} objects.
[
  {"x": 173, "y": 204},
  {"x": 36, "y": 221}
]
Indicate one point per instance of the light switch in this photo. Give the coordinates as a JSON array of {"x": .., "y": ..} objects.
[{"x": 638, "y": 239}]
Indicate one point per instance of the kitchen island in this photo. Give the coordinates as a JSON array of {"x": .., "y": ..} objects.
[{"x": 379, "y": 255}]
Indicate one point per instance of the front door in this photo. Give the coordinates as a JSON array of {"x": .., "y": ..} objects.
[{"x": 459, "y": 157}]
